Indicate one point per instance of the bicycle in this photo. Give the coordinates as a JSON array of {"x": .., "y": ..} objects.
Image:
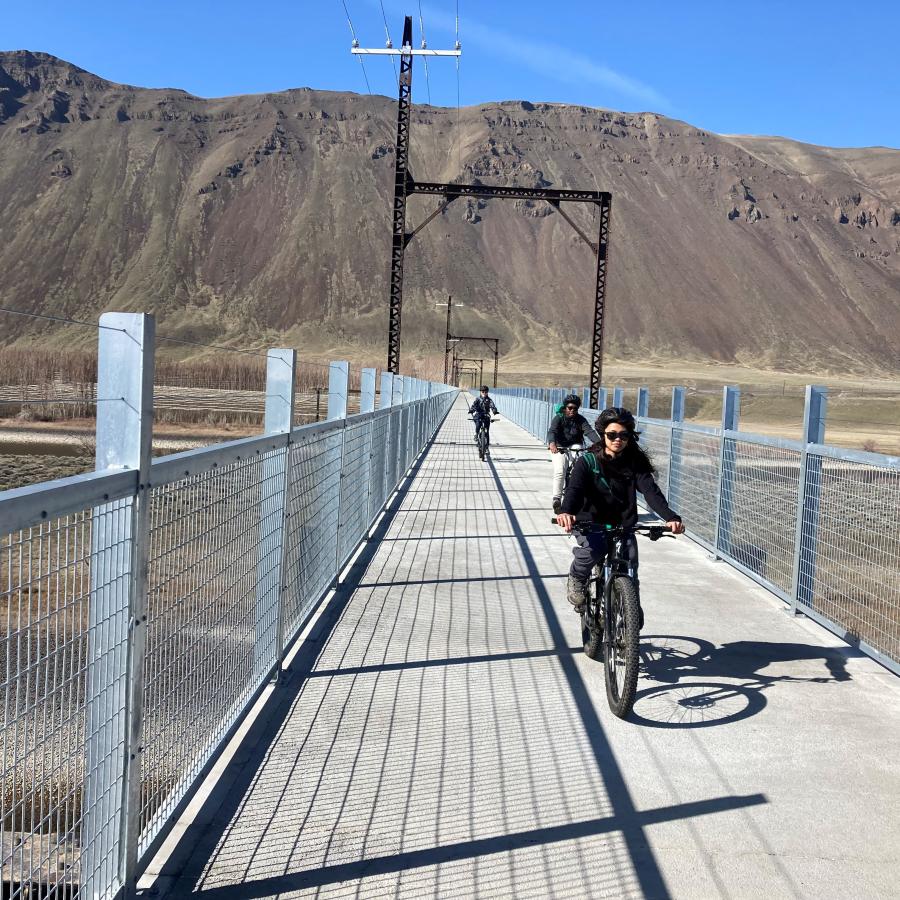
[
  {"x": 572, "y": 452},
  {"x": 610, "y": 619},
  {"x": 483, "y": 439}
]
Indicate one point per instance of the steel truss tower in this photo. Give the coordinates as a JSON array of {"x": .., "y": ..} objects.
[{"x": 405, "y": 185}]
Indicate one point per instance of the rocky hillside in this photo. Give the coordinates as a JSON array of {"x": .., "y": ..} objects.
[{"x": 266, "y": 218}]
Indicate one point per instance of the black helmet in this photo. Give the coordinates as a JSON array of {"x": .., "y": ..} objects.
[
  {"x": 484, "y": 389},
  {"x": 572, "y": 400},
  {"x": 617, "y": 414}
]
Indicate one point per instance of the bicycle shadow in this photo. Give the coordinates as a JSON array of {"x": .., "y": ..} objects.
[{"x": 688, "y": 694}]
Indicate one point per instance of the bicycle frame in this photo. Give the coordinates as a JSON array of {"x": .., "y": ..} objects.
[{"x": 613, "y": 563}]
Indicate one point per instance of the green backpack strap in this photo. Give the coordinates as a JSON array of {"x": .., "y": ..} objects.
[
  {"x": 594, "y": 465},
  {"x": 557, "y": 410}
]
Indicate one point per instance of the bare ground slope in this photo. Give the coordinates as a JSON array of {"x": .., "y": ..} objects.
[{"x": 266, "y": 218}]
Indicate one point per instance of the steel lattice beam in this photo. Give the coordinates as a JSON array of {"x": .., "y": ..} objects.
[
  {"x": 599, "y": 306},
  {"x": 398, "y": 241}
]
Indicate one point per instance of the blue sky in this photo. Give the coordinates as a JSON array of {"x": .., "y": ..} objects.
[{"x": 826, "y": 72}]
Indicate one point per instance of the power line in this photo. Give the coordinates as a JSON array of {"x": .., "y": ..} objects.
[
  {"x": 389, "y": 43},
  {"x": 427, "y": 80},
  {"x": 258, "y": 352},
  {"x": 97, "y": 325},
  {"x": 378, "y": 121},
  {"x": 30, "y": 315}
]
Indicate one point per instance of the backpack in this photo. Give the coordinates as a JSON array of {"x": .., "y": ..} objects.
[{"x": 590, "y": 458}]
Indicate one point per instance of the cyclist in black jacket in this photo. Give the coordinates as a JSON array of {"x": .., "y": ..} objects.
[
  {"x": 481, "y": 410},
  {"x": 566, "y": 429},
  {"x": 609, "y": 496}
]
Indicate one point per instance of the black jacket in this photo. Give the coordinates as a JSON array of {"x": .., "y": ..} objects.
[
  {"x": 482, "y": 408},
  {"x": 567, "y": 430},
  {"x": 613, "y": 503}
]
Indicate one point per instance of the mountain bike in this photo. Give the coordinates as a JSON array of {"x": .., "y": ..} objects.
[
  {"x": 610, "y": 619},
  {"x": 483, "y": 439},
  {"x": 573, "y": 452}
]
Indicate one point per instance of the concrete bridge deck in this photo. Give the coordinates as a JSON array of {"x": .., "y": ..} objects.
[{"x": 441, "y": 733}]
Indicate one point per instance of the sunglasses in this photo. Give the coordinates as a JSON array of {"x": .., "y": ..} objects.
[
  {"x": 617, "y": 435},
  {"x": 571, "y": 407}
]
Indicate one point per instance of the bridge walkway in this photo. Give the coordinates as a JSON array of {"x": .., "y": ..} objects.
[{"x": 440, "y": 733}]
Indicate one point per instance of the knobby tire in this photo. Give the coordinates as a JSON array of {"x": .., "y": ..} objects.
[{"x": 621, "y": 648}]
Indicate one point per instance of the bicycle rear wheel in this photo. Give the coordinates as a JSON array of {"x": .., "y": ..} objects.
[{"x": 621, "y": 645}]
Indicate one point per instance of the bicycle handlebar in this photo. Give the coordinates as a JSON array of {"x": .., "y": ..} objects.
[{"x": 654, "y": 532}]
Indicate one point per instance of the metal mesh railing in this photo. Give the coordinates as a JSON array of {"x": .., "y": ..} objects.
[
  {"x": 354, "y": 503},
  {"x": 212, "y": 617},
  {"x": 64, "y": 603},
  {"x": 657, "y": 441},
  {"x": 694, "y": 480},
  {"x": 850, "y": 548},
  {"x": 758, "y": 516},
  {"x": 310, "y": 562},
  {"x": 241, "y": 542},
  {"x": 741, "y": 496}
]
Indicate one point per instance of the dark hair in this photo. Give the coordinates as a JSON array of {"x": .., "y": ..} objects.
[
  {"x": 633, "y": 454},
  {"x": 484, "y": 388},
  {"x": 572, "y": 400}
]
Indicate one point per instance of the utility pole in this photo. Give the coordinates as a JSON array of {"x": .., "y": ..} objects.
[
  {"x": 400, "y": 238},
  {"x": 447, "y": 338},
  {"x": 405, "y": 185}
]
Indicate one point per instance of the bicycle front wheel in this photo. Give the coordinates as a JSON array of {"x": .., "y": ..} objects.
[
  {"x": 482, "y": 443},
  {"x": 621, "y": 644}
]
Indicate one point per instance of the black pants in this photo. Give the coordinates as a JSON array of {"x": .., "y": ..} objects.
[{"x": 591, "y": 551}]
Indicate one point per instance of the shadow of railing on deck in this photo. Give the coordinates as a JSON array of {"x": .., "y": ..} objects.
[{"x": 435, "y": 765}]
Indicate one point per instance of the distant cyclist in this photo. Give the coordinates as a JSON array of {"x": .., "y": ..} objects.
[
  {"x": 481, "y": 411},
  {"x": 603, "y": 488},
  {"x": 566, "y": 429}
]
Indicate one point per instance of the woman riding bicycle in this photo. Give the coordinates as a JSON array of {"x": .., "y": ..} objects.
[
  {"x": 603, "y": 488},
  {"x": 566, "y": 429}
]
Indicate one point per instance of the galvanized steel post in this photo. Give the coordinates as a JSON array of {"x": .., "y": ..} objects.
[
  {"x": 117, "y": 618},
  {"x": 386, "y": 395},
  {"x": 281, "y": 366},
  {"x": 601, "y": 399},
  {"x": 677, "y": 420},
  {"x": 731, "y": 410},
  {"x": 338, "y": 384},
  {"x": 806, "y": 536},
  {"x": 406, "y": 419},
  {"x": 643, "y": 403},
  {"x": 338, "y": 387},
  {"x": 367, "y": 390},
  {"x": 397, "y": 390}
]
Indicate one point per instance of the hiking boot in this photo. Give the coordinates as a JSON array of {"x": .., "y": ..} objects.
[
  {"x": 576, "y": 592},
  {"x": 557, "y": 506}
]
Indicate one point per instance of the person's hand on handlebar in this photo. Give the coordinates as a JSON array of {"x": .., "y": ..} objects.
[
  {"x": 676, "y": 526},
  {"x": 553, "y": 447},
  {"x": 566, "y": 521}
]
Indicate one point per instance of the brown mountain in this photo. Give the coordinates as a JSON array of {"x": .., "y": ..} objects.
[{"x": 266, "y": 218}]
